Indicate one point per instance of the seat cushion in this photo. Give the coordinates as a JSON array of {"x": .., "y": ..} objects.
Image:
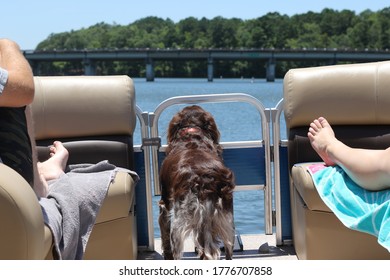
[
  {"x": 118, "y": 150},
  {"x": 304, "y": 185}
]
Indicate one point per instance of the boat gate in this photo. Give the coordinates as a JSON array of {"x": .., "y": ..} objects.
[{"x": 257, "y": 165}]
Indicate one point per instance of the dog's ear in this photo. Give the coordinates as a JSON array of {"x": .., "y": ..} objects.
[
  {"x": 211, "y": 127},
  {"x": 176, "y": 124},
  {"x": 173, "y": 128}
]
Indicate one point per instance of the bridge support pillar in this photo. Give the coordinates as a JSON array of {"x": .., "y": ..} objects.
[
  {"x": 210, "y": 69},
  {"x": 332, "y": 61},
  {"x": 271, "y": 65},
  {"x": 89, "y": 67},
  {"x": 149, "y": 70},
  {"x": 35, "y": 66}
]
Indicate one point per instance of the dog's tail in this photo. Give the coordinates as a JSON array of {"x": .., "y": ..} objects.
[{"x": 208, "y": 220}]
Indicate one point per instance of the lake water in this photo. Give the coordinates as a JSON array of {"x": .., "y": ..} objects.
[{"x": 236, "y": 121}]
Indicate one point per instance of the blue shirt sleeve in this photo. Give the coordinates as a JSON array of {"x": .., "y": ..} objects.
[{"x": 3, "y": 79}]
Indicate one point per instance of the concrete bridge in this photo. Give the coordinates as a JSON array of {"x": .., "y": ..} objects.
[{"x": 268, "y": 56}]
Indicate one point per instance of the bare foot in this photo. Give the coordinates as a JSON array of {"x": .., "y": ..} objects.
[
  {"x": 321, "y": 135},
  {"x": 55, "y": 166}
]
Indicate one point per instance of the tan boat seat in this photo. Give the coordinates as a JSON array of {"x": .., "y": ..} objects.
[
  {"x": 355, "y": 98},
  {"x": 95, "y": 119}
]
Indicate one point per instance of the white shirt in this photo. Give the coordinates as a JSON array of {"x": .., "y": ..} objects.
[{"x": 3, "y": 79}]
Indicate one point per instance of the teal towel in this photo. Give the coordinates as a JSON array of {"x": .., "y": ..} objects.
[{"x": 356, "y": 207}]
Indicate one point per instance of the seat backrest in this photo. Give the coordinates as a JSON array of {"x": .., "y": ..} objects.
[
  {"x": 94, "y": 116},
  {"x": 355, "y": 98}
]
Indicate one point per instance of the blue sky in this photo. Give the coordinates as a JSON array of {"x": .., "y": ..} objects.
[{"x": 30, "y": 22}]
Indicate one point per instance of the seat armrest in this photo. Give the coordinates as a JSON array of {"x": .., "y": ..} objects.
[
  {"x": 119, "y": 200},
  {"x": 304, "y": 184},
  {"x": 22, "y": 226}
]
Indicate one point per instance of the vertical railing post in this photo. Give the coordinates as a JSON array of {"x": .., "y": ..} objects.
[
  {"x": 145, "y": 132},
  {"x": 276, "y": 113}
]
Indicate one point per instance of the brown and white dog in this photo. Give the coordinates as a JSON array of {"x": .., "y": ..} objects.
[{"x": 197, "y": 188}]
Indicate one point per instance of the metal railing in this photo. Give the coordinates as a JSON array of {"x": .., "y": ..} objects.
[
  {"x": 276, "y": 113},
  {"x": 143, "y": 118},
  {"x": 218, "y": 98},
  {"x": 270, "y": 119}
]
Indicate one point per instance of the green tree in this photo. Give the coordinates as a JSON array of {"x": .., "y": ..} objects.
[{"x": 327, "y": 29}]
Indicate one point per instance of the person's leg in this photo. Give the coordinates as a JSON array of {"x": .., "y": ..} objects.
[
  {"x": 49, "y": 169},
  {"x": 370, "y": 169},
  {"x": 40, "y": 185}
]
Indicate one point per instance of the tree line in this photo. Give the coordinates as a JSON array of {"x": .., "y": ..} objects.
[{"x": 327, "y": 29}]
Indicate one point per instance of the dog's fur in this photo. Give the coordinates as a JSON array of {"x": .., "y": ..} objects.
[{"x": 197, "y": 189}]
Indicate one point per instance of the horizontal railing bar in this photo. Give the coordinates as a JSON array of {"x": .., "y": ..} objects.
[{"x": 248, "y": 188}]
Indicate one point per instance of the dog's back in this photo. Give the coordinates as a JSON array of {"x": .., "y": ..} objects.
[{"x": 199, "y": 191}]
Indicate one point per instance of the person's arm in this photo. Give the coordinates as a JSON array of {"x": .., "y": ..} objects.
[{"x": 19, "y": 88}]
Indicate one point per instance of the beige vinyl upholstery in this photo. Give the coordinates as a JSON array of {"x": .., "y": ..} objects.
[
  {"x": 95, "y": 119},
  {"x": 95, "y": 105},
  {"x": 355, "y": 99},
  {"x": 22, "y": 230},
  {"x": 352, "y": 94}
]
